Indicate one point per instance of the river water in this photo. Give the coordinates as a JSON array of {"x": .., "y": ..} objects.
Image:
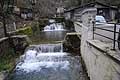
[{"x": 48, "y": 61}]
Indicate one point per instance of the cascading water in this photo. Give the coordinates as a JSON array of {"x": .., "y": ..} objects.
[
  {"x": 54, "y": 27},
  {"x": 47, "y": 62}
]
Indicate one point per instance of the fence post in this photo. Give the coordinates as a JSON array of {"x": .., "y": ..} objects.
[
  {"x": 93, "y": 28},
  {"x": 119, "y": 40},
  {"x": 114, "y": 40}
]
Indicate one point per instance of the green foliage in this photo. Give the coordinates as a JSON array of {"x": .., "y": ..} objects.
[
  {"x": 7, "y": 61},
  {"x": 35, "y": 27},
  {"x": 42, "y": 23},
  {"x": 25, "y": 31}
]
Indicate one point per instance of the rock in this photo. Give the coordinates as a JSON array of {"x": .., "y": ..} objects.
[{"x": 3, "y": 75}]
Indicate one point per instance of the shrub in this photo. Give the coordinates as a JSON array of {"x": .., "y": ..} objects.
[
  {"x": 25, "y": 31},
  {"x": 35, "y": 27},
  {"x": 7, "y": 61}
]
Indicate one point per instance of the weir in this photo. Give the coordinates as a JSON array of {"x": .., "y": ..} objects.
[
  {"x": 54, "y": 27},
  {"x": 49, "y": 61}
]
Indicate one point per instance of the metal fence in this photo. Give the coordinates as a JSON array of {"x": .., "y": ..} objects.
[{"x": 114, "y": 40}]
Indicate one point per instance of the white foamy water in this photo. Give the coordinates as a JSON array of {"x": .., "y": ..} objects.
[
  {"x": 35, "y": 60},
  {"x": 52, "y": 54},
  {"x": 49, "y": 48},
  {"x": 51, "y": 21},
  {"x": 54, "y": 27},
  {"x": 38, "y": 64}
]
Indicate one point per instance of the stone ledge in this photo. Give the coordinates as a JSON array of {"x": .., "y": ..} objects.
[
  {"x": 73, "y": 34},
  {"x": 4, "y": 38},
  {"x": 101, "y": 46},
  {"x": 19, "y": 36},
  {"x": 15, "y": 36},
  {"x": 3, "y": 75}
]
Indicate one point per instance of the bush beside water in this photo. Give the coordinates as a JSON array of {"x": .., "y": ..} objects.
[
  {"x": 7, "y": 61},
  {"x": 25, "y": 31}
]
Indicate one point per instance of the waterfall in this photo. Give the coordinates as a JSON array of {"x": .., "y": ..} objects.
[
  {"x": 47, "y": 62},
  {"x": 54, "y": 27},
  {"x": 44, "y": 55},
  {"x": 47, "y": 48}
]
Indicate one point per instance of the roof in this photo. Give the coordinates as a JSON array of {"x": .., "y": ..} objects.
[{"x": 92, "y": 4}]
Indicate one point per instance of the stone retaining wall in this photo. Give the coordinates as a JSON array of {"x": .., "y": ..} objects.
[
  {"x": 4, "y": 46},
  {"x": 7, "y": 44},
  {"x": 101, "y": 62}
]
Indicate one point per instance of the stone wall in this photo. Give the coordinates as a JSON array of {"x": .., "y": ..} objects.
[
  {"x": 101, "y": 62},
  {"x": 71, "y": 43},
  {"x": 4, "y": 46},
  {"x": 17, "y": 43},
  {"x": 88, "y": 15}
]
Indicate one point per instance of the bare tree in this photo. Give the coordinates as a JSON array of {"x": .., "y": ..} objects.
[
  {"x": 6, "y": 7},
  {"x": 47, "y": 8}
]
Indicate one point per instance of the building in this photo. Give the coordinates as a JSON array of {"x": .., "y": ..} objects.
[
  {"x": 26, "y": 13},
  {"x": 24, "y": 9},
  {"x": 107, "y": 11}
]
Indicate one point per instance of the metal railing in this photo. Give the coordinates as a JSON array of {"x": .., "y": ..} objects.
[{"x": 108, "y": 37}]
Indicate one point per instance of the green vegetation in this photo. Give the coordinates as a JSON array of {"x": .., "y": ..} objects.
[
  {"x": 42, "y": 23},
  {"x": 25, "y": 31},
  {"x": 35, "y": 28},
  {"x": 7, "y": 61}
]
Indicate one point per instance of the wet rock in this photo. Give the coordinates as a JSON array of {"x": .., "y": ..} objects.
[
  {"x": 20, "y": 42},
  {"x": 3, "y": 75},
  {"x": 71, "y": 44}
]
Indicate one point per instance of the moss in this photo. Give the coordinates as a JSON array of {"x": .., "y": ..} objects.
[
  {"x": 6, "y": 65},
  {"x": 25, "y": 31}
]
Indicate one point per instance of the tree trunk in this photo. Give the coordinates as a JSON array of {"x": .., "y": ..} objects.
[{"x": 4, "y": 26}]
